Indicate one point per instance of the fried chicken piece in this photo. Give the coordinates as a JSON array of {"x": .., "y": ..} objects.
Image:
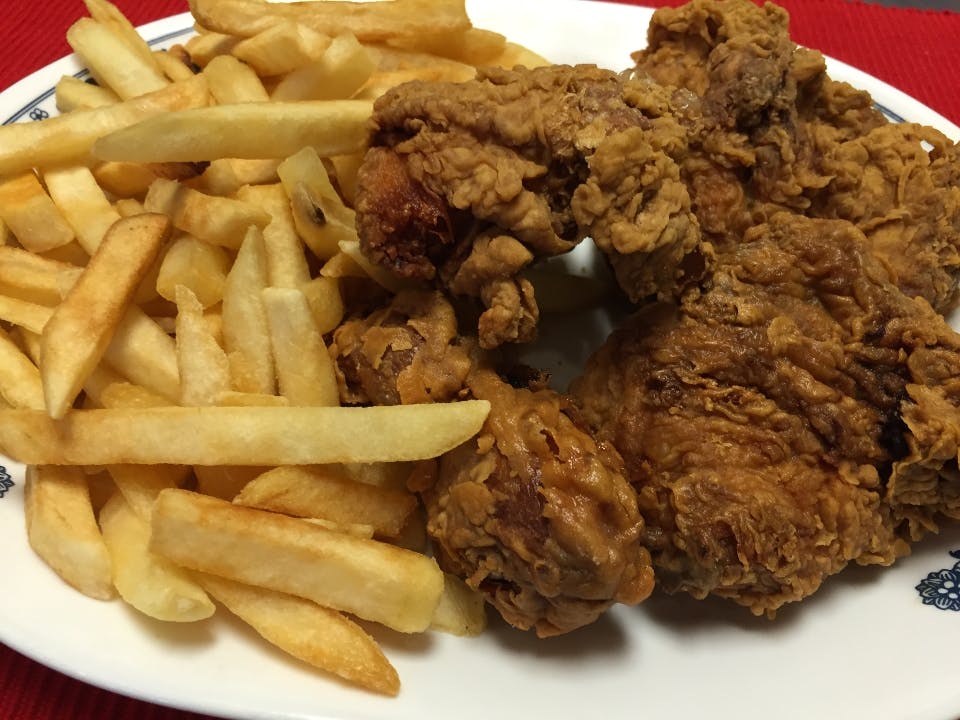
[
  {"x": 800, "y": 415},
  {"x": 537, "y": 515},
  {"x": 405, "y": 352},
  {"x": 467, "y": 184}
]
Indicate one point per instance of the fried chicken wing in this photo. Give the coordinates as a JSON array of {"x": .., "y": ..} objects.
[{"x": 800, "y": 415}]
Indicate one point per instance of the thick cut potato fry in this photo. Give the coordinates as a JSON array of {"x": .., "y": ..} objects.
[
  {"x": 20, "y": 383},
  {"x": 75, "y": 192},
  {"x": 269, "y": 436},
  {"x": 145, "y": 354},
  {"x": 225, "y": 481},
  {"x": 326, "y": 303},
  {"x": 150, "y": 583},
  {"x": 372, "y": 580},
  {"x": 286, "y": 264},
  {"x": 200, "y": 266},
  {"x": 31, "y": 215},
  {"x": 319, "y": 636},
  {"x": 232, "y": 81},
  {"x": 325, "y": 492},
  {"x": 369, "y": 21},
  {"x": 63, "y": 531},
  {"x": 473, "y": 46},
  {"x": 206, "y": 46},
  {"x": 27, "y": 276},
  {"x": 67, "y": 139},
  {"x": 380, "y": 275},
  {"x": 304, "y": 368},
  {"x": 204, "y": 368},
  {"x": 339, "y": 73},
  {"x": 173, "y": 66},
  {"x": 107, "y": 14},
  {"x": 140, "y": 484},
  {"x": 25, "y": 314},
  {"x": 82, "y": 326},
  {"x": 113, "y": 62},
  {"x": 282, "y": 47},
  {"x": 124, "y": 179},
  {"x": 228, "y": 175},
  {"x": 461, "y": 610},
  {"x": 74, "y": 94},
  {"x": 246, "y": 334},
  {"x": 270, "y": 130}
]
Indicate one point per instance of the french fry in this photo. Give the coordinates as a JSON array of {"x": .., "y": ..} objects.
[
  {"x": 370, "y": 22},
  {"x": 67, "y": 139},
  {"x": 204, "y": 368},
  {"x": 281, "y": 47},
  {"x": 63, "y": 531},
  {"x": 30, "y": 277},
  {"x": 286, "y": 263},
  {"x": 200, "y": 266},
  {"x": 173, "y": 67},
  {"x": 461, "y": 610},
  {"x": 108, "y": 15},
  {"x": 232, "y": 81},
  {"x": 319, "y": 636},
  {"x": 123, "y": 179},
  {"x": 75, "y": 94},
  {"x": 20, "y": 383},
  {"x": 75, "y": 192},
  {"x": 325, "y": 302},
  {"x": 304, "y": 368},
  {"x": 270, "y": 130},
  {"x": 225, "y": 481},
  {"x": 473, "y": 46},
  {"x": 140, "y": 484},
  {"x": 384, "y": 278},
  {"x": 265, "y": 436},
  {"x": 31, "y": 215},
  {"x": 151, "y": 584},
  {"x": 82, "y": 326},
  {"x": 226, "y": 176},
  {"x": 246, "y": 335},
  {"x": 145, "y": 354},
  {"x": 338, "y": 73},
  {"x": 325, "y": 492},
  {"x": 372, "y": 580},
  {"x": 24, "y": 313},
  {"x": 113, "y": 62},
  {"x": 206, "y": 46}
]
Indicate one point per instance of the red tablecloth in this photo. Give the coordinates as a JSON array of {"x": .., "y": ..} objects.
[{"x": 915, "y": 51}]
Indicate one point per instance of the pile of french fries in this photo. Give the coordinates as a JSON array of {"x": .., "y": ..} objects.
[{"x": 171, "y": 252}]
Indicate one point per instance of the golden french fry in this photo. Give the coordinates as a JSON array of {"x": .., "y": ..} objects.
[
  {"x": 281, "y": 47},
  {"x": 140, "y": 484},
  {"x": 370, "y": 22},
  {"x": 220, "y": 220},
  {"x": 31, "y": 215},
  {"x": 225, "y": 481},
  {"x": 20, "y": 383},
  {"x": 30, "y": 277},
  {"x": 206, "y": 46},
  {"x": 232, "y": 81},
  {"x": 204, "y": 368},
  {"x": 113, "y": 62},
  {"x": 473, "y": 46},
  {"x": 380, "y": 275},
  {"x": 246, "y": 335},
  {"x": 75, "y": 192},
  {"x": 372, "y": 580},
  {"x": 237, "y": 398},
  {"x": 74, "y": 94},
  {"x": 174, "y": 67},
  {"x": 326, "y": 303},
  {"x": 461, "y": 610},
  {"x": 24, "y": 313},
  {"x": 150, "y": 583},
  {"x": 68, "y": 138},
  {"x": 304, "y": 368},
  {"x": 63, "y": 531},
  {"x": 270, "y": 130},
  {"x": 82, "y": 326},
  {"x": 346, "y": 168},
  {"x": 266, "y": 436},
  {"x": 319, "y": 636},
  {"x": 200, "y": 266},
  {"x": 108, "y": 15},
  {"x": 145, "y": 354},
  {"x": 226, "y": 176},
  {"x": 124, "y": 179},
  {"x": 286, "y": 263},
  {"x": 325, "y": 492},
  {"x": 338, "y": 73}
]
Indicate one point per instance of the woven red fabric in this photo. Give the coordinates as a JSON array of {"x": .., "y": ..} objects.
[{"x": 915, "y": 51}]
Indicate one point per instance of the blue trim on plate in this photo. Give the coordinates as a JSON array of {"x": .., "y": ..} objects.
[
  {"x": 37, "y": 113},
  {"x": 942, "y": 587},
  {"x": 6, "y": 482}
]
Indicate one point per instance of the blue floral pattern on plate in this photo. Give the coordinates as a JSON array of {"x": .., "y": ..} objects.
[
  {"x": 942, "y": 588},
  {"x": 6, "y": 482}
]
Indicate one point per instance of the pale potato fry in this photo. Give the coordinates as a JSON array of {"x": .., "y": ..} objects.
[
  {"x": 67, "y": 139},
  {"x": 304, "y": 368},
  {"x": 232, "y": 81},
  {"x": 319, "y": 213},
  {"x": 206, "y": 46},
  {"x": 113, "y": 62},
  {"x": 75, "y": 192},
  {"x": 286, "y": 263},
  {"x": 237, "y": 398},
  {"x": 82, "y": 326},
  {"x": 266, "y": 436},
  {"x": 200, "y": 266},
  {"x": 219, "y": 220},
  {"x": 473, "y": 46},
  {"x": 461, "y": 610},
  {"x": 30, "y": 277},
  {"x": 383, "y": 277},
  {"x": 24, "y": 313},
  {"x": 225, "y": 481},
  {"x": 145, "y": 354},
  {"x": 63, "y": 531},
  {"x": 369, "y": 21},
  {"x": 31, "y": 215},
  {"x": 72, "y": 93},
  {"x": 140, "y": 484},
  {"x": 20, "y": 383},
  {"x": 371, "y": 579},
  {"x": 325, "y": 492},
  {"x": 204, "y": 368},
  {"x": 281, "y": 47},
  {"x": 150, "y": 583},
  {"x": 228, "y": 175},
  {"x": 338, "y": 73},
  {"x": 172, "y": 66},
  {"x": 270, "y": 130},
  {"x": 346, "y": 168},
  {"x": 342, "y": 265},
  {"x": 319, "y": 636},
  {"x": 326, "y": 303},
  {"x": 392, "y": 475},
  {"x": 108, "y": 15},
  {"x": 246, "y": 334}
]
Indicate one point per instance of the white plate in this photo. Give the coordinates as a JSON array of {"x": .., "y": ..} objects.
[{"x": 865, "y": 646}]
